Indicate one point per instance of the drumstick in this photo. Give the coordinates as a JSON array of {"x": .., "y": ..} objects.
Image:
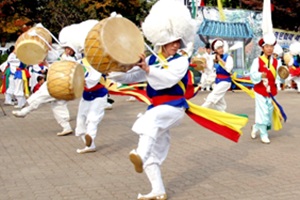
[
  {"x": 149, "y": 48},
  {"x": 41, "y": 25},
  {"x": 34, "y": 33}
]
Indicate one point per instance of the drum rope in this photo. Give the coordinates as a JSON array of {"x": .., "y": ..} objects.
[
  {"x": 160, "y": 60},
  {"x": 34, "y": 33}
]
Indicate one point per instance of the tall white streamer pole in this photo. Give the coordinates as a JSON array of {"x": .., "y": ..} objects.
[{"x": 267, "y": 25}]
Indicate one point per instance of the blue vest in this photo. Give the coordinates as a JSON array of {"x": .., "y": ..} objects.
[
  {"x": 175, "y": 90},
  {"x": 90, "y": 95},
  {"x": 222, "y": 72}
]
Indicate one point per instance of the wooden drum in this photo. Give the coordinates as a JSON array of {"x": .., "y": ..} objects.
[
  {"x": 113, "y": 44},
  {"x": 32, "y": 46},
  {"x": 65, "y": 80}
]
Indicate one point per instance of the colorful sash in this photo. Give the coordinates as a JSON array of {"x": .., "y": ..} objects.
[
  {"x": 225, "y": 124},
  {"x": 235, "y": 80}
]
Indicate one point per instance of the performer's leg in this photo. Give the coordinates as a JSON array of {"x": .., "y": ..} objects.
[
  {"x": 216, "y": 95},
  {"x": 62, "y": 116},
  {"x": 8, "y": 99},
  {"x": 19, "y": 93},
  {"x": 254, "y": 131},
  {"x": 154, "y": 123},
  {"x": 10, "y": 91},
  {"x": 158, "y": 154},
  {"x": 95, "y": 113},
  {"x": 264, "y": 136},
  {"x": 21, "y": 101},
  {"x": 158, "y": 190},
  {"x": 221, "y": 105},
  {"x": 34, "y": 101}
]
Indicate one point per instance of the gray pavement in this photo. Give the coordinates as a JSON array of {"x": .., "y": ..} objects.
[{"x": 37, "y": 164}]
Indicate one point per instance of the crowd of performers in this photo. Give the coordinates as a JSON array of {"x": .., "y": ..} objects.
[{"x": 169, "y": 86}]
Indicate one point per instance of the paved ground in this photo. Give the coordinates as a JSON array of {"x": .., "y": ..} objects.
[{"x": 201, "y": 165}]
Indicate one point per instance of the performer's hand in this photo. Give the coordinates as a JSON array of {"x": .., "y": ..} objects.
[
  {"x": 142, "y": 64},
  {"x": 264, "y": 75}
]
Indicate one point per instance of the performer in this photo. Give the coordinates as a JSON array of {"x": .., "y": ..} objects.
[
  {"x": 277, "y": 54},
  {"x": 21, "y": 85},
  {"x": 294, "y": 65},
  {"x": 59, "y": 107},
  {"x": 40, "y": 81},
  {"x": 165, "y": 75},
  {"x": 208, "y": 74},
  {"x": 223, "y": 64},
  {"x": 91, "y": 108},
  {"x": 12, "y": 62},
  {"x": 263, "y": 76}
]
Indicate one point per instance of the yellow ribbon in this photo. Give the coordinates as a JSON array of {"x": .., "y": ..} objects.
[
  {"x": 86, "y": 65},
  {"x": 235, "y": 79},
  {"x": 26, "y": 89}
]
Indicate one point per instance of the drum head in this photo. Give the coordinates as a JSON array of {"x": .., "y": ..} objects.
[
  {"x": 122, "y": 40},
  {"x": 78, "y": 81},
  {"x": 31, "y": 52},
  {"x": 283, "y": 72}
]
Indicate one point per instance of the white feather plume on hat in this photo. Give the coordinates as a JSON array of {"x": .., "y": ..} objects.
[
  {"x": 169, "y": 21},
  {"x": 74, "y": 35},
  {"x": 295, "y": 48},
  {"x": 278, "y": 50}
]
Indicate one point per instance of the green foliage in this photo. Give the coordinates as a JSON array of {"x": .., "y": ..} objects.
[{"x": 3, "y": 58}]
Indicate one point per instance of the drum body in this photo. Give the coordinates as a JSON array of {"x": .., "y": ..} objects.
[
  {"x": 114, "y": 44},
  {"x": 65, "y": 80},
  {"x": 283, "y": 72},
  {"x": 32, "y": 46}
]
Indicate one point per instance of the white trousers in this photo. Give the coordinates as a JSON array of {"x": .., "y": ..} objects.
[
  {"x": 59, "y": 107},
  {"x": 216, "y": 98},
  {"x": 154, "y": 141},
  {"x": 90, "y": 114},
  {"x": 10, "y": 90}
]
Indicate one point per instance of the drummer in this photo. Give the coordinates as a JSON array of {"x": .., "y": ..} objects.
[
  {"x": 263, "y": 76},
  {"x": 91, "y": 108},
  {"x": 59, "y": 107}
]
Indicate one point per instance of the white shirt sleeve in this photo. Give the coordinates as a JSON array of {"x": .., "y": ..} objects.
[
  {"x": 255, "y": 75},
  {"x": 229, "y": 64},
  {"x": 160, "y": 78},
  {"x": 3, "y": 66},
  {"x": 92, "y": 78},
  {"x": 135, "y": 74}
]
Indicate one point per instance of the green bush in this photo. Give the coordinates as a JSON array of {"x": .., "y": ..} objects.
[{"x": 3, "y": 58}]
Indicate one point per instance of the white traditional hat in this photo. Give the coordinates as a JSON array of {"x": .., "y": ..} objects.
[
  {"x": 169, "y": 21},
  {"x": 269, "y": 39},
  {"x": 295, "y": 48},
  {"x": 278, "y": 50},
  {"x": 216, "y": 43}
]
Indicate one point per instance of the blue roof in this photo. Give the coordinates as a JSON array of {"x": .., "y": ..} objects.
[{"x": 236, "y": 30}]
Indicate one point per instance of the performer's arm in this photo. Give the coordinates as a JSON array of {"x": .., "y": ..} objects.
[
  {"x": 255, "y": 75},
  {"x": 229, "y": 64},
  {"x": 136, "y": 74},
  {"x": 165, "y": 78}
]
